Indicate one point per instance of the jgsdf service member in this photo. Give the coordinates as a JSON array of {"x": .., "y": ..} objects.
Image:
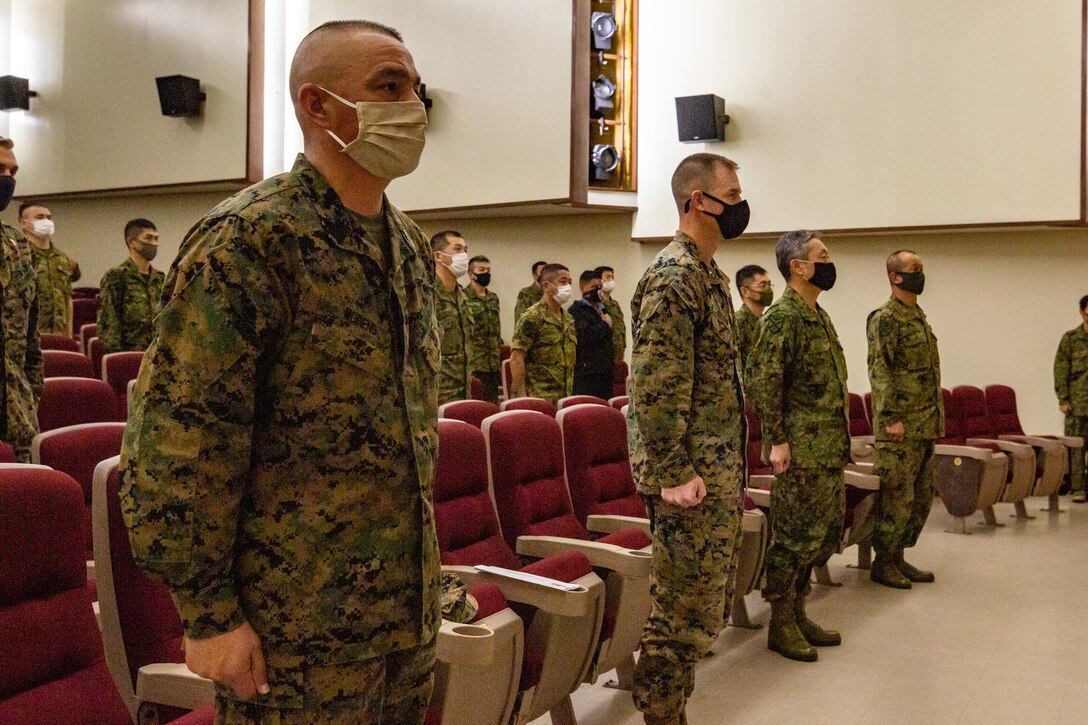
[
  {"x": 687, "y": 435},
  {"x": 277, "y": 470}
]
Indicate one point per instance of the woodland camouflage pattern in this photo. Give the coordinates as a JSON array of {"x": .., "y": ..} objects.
[
  {"x": 550, "y": 348},
  {"x": 455, "y": 331},
  {"x": 527, "y": 297},
  {"x": 747, "y": 332},
  {"x": 23, "y": 373},
  {"x": 619, "y": 328},
  {"x": 278, "y": 464},
  {"x": 1071, "y": 386},
  {"x": 55, "y": 272},
  {"x": 486, "y": 342},
  {"x": 130, "y": 301}
]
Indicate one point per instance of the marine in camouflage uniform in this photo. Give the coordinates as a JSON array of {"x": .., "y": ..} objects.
[
  {"x": 905, "y": 375},
  {"x": 455, "y": 329},
  {"x": 527, "y": 297},
  {"x": 686, "y": 419},
  {"x": 486, "y": 343},
  {"x": 747, "y": 333},
  {"x": 1071, "y": 387},
  {"x": 278, "y": 465},
  {"x": 796, "y": 382},
  {"x": 130, "y": 302},
  {"x": 550, "y": 345},
  {"x": 24, "y": 376},
  {"x": 55, "y": 272},
  {"x": 619, "y": 327}
]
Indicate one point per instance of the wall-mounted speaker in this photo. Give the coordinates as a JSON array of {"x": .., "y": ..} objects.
[
  {"x": 700, "y": 119},
  {"x": 179, "y": 96},
  {"x": 15, "y": 93}
]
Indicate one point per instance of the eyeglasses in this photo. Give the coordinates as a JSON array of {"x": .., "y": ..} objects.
[{"x": 761, "y": 286}]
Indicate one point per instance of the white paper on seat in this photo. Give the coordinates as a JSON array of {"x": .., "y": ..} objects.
[{"x": 531, "y": 578}]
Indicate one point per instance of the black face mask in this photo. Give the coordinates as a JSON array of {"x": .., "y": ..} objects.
[
  {"x": 913, "y": 282},
  {"x": 733, "y": 219},
  {"x": 483, "y": 279},
  {"x": 7, "y": 190},
  {"x": 593, "y": 296},
  {"x": 823, "y": 275}
]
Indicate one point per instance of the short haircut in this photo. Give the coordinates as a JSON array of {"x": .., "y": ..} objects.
[
  {"x": 337, "y": 25},
  {"x": 747, "y": 273},
  {"x": 441, "y": 240},
  {"x": 551, "y": 271},
  {"x": 29, "y": 203},
  {"x": 136, "y": 226},
  {"x": 1083, "y": 302},
  {"x": 604, "y": 268},
  {"x": 697, "y": 172},
  {"x": 478, "y": 259},
  {"x": 535, "y": 269},
  {"x": 588, "y": 276},
  {"x": 894, "y": 263},
  {"x": 790, "y": 246},
  {"x": 6, "y": 143}
]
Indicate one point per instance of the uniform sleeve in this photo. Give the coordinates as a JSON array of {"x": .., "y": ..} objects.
[
  {"x": 882, "y": 334},
  {"x": 109, "y": 316},
  {"x": 662, "y": 374},
  {"x": 187, "y": 448},
  {"x": 764, "y": 376},
  {"x": 33, "y": 363},
  {"x": 525, "y": 334},
  {"x": 1062, "y": 369},
  {"x": 75, "y": 274}
]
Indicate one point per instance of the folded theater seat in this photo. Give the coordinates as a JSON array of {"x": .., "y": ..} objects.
[
  {"x": 526, "y": 471},
  {"x": 1056, "y": 454},
  {"x": 605, "y": 499},
  {"x": 561, "y": 611}
]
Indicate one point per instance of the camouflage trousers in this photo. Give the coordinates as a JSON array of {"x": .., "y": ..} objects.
[
  {"x": 807, "y": 510},
  {"x": 907, "y": 470},
  {"x": 391, "y": 690},
  {"x": 694, "y": 554},
  {"x": 1077, "y": 425}
]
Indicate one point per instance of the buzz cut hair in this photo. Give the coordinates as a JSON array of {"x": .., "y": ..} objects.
[
  {"x": 6, "y": 143},
  {"x": 790, "y": 246},
  {"x": 479, "y": 259},
  {"x": 535, "y": 269},
  {"x": 441, "y": 240},
  {"x": 29, "y": 203},
  {"x": 604, "y": 268},
  {"x": 747, "y": 273},
  {"x": 894, "y": 263},
  {"x": 367, "y": 25},
  {"x": 1083, "y": 303},
  {"x": 135, "y": 227},
  {"x": 697, "y": 172},
  {"x": 588, "y": 276},
  {"x": 551, "y": 271}
]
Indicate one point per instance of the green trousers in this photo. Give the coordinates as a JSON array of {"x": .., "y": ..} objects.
[{"x": 907, "y": 470}]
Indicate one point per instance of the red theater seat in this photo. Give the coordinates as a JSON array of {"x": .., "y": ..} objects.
[
  {"x": 84, "y": 311},
  {"x": 86, "y": 332},
  {"x": 619, "y": 401},
  {"x": 118, "y": 370},
  {"x": 96, "y": 350},
  {"x": 58, "y": 342},
  {"x": 619, "y": 378},
  {"x": 537, "y": 404},
  {"x": 580, "y": 400},
  {"x": 66, "y": 364},
  {"x": 71, "y": 401},
  {"x": 862, "y": 441},
  {"x": 472, "y": 412}
]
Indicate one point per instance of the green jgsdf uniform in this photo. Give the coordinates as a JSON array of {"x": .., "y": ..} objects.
[
  {"x": 905, "y": 375},
  {"x": 56, "y": 272},
  {"x": 278, "y": 464},
  {"x": 686, "y": 419},
  {"x": 486, "y": 342},
  {"x": 550, "y": 346},
  {"x": 130, "y": 301},
  {"x": 527, "y": 297},
  {"x": 455, "y": 329},
  {"x": 747, "y": 333},
  {"x": 24, "y": 377},
  {"x": 619, "y": 329},
  {"x": 796, "y": 382},
  {"x": 1071, "y": 386}
]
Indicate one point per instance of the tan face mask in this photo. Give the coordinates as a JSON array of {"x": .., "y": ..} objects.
[{"x": 391, "y": 136}]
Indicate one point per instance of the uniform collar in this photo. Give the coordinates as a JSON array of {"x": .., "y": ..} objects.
[
  {"x": 718, "y": 277},
  {"x": 792, "y": 298},
  {"x": 904, "y": 311}
]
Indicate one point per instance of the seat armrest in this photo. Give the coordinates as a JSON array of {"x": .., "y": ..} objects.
[
  {"x": 611, "y": 523},
  {"x": 764, "y": 482},
  {"x": 753, "y": 520},
  {"x": 863, "y": 481},
  {"x": 467, "y": 644},
  {"x": 1017, "y": 450},
  {"x": 1070, "y": 441},
  {"x": 864, "y": 468},
  {"x": 1033, "y": 441},
  {"x": 979, "y": 454},
  {"x": 173, "y": 684},
  {"x": 580, "y": 603},
  {"x": 626, "y": 562},
  {"x": 761, "y": 496},
  {"x": 862, "y": 444}
]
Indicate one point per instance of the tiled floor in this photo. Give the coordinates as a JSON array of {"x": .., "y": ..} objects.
[{"x": 999, "y": 639}]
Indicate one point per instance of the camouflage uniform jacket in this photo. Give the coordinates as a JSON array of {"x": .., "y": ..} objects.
[
  {"x": 1071, "y": 371},
  {"x": 550, "y": 348},
  {"x": 747, "y": 333},
  {"x": 130, "y": 301},
  {"x": 904, "y": 372},
  {"x": 279, "y": 459},
  {"x": 56, "y": 272},
  {"x": 796, "y": 382},
  {"x": 686, "y": 416},
  {"x": 527, "y": 297},
  {"x": 23, "y": 373},
  {"x": 455, "y": 333},
  {"x": 486, "y": 343},
  {"x": 619, "y": 328}
]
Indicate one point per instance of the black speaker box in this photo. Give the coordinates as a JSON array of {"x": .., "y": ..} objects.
[
  {"x": 179, "y": 95},
  {"x": 15, "y": 93},
  {"x": 701, "y": 118}
]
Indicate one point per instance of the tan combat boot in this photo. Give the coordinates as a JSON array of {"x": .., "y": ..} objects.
[
  {"x": 784, "y": 637},
  {"x": 911, "y": 572},
  {"x": 813, "y": 633},
  {"x": 884, "y": 571}
]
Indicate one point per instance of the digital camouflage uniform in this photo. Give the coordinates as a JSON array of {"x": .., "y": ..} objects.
[
  {"x": 22, "y": 354},
  {"x": 130, "y": 301},
  {"x": 527, "y": 297},
  {"x": 747, "y": 333},
  {"x": 55, "y": 272},
  {"x": 619, "y": 328},
  {"x": 278, "y": 464},
  {"x": 686, "y": 419},
  {"x": 1071, "y": 386},
  {"x": 905, "y": 375},
  {"x": 796, "y": 382},
  {"x": 550, "y": 346},
  {"x": 486, "y": 343},
  {"x": 454, "y": 330}
]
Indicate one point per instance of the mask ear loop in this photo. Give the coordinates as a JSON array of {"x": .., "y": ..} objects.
[{"x": 346, "y": 103}]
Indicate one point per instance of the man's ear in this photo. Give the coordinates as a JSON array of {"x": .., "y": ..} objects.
[{"x": 312, "y": 104}]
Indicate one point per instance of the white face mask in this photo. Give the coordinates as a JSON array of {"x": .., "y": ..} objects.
[
  {"x": 391, "y": 136},
  {"x": 562, "y": 294},
  {"x": 458, "y": 265},
  {"x": 44, "y": 227},
  {"x": 608, "y": 285}
]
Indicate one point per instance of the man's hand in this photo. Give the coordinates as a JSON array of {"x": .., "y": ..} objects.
[
  {"x": 895, "y": 431},
  {"x": 234, "y": 659},
  {"x": 780, "y": 458},
  {"x": 1065, "y": 408},
  {"x": 605, "y": 316},
  {"x": 686, "y": 495}
]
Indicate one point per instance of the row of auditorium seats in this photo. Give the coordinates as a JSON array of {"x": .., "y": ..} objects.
[
  {"x": 474, "y": 411},
  {"x": 619, "y": 378}
]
